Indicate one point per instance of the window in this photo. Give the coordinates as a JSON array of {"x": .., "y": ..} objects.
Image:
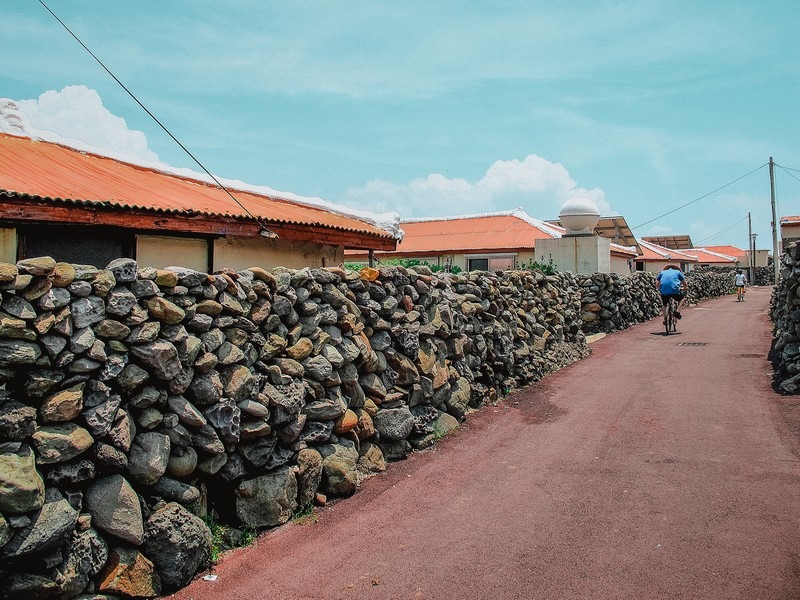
[
  {"x": 478, "y": 264},
  {"x": 490, "y": 262}
]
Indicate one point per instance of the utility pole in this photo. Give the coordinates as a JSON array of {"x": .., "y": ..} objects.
[
  {"x": 750, "y": 264},
  {"x": 775, "y": 256}
]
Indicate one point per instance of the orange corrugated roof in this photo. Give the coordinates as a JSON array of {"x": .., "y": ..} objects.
[
  {"x": 706, "y": 255},
  {"x": 790, "y": 220},
  {"x": 727, "y": 250},
  {"x": 49, "y": 170},
  {"x": 481, "y": 233}
]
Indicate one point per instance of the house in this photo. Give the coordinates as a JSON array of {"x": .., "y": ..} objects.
[
  {"x": 487, "y": 241},
  {"x": 87, "y": 208},
  {"x": 655, "y": 257},
  {"x": 742, "y": 256},
  {"x": 789, "y": 230},
  {"x": 708, "y": 258}
]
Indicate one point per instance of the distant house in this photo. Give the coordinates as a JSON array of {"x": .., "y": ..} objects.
[
  {"x": 87, "y": 208},
  {"x": 742, "y": 256},
  {"x": 655, "y": 257},
  {"x": 708, "y": 258},
  {"x": 488, "y": 241}
]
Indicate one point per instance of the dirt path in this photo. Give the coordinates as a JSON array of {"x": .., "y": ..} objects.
[{"x": 660, "y": 467}]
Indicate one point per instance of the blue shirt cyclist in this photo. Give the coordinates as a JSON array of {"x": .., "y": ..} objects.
[{"x": 671, "y": 283}]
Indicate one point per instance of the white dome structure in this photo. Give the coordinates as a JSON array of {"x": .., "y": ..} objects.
[{"x": 579, "y": 216}]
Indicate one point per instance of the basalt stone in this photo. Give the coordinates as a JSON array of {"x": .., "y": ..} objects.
[
  {"x": 60, "y": 443},
  {"x": 71, "y": 474},
  {"x": 144, "y": 288},
  {"x": 80, "y": 289},
  {"x": 47, "y": 529},
  {"x": 318, "y": 367},
  {"x": 115, "y": 508},
  {"x": 268, "y": 500},
  {"x": 339, "y": 466},
  {"x": 123, "y": 431},
  {"x": 18, "y": 352},
  {"x": 100, "y": 419},
  {"x": 128, "y": 572},
  {"x": 257, "y": 452},
  {"x": 63, "y": 406},
  {"x": 38, "y": 267},
  {"x": 239, "y": 383},
  {"x": 87, "y": 311},
  {"x": 325, "y": 410},
  {"x": 131, "y": 377},
  {"x": 205, "y": 438},
  {"x": 124, "y": 269},
  {"x": 85, "y": 554},
  {"x": 21, "y": 486},
  {"x": 394, "y": 424},
  {"x": 182, "y": 461},
  {"x": 143, "y": 333},
  {"x": 316, "y": 432},
  {"x": 160, "y": 356},
  {"x": 148, "y": 457},
  {"x": 178, "y": 543},
  {"x": 17, "y": 421},
  {"x": 225, "y": 417},
  {"x": 186, "y": 411},
  {"x": 165, "y": 311},
  {"x": 54, "y": 299}
]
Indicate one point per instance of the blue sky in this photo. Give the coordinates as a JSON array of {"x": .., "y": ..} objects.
[{"x": 441, "y": 108}]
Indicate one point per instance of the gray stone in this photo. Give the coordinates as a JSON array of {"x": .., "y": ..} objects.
[
  {"x": 124, "y": 269},
  {"x": 259, "y": 451},
  {"x": 325, "y": 410},
  {"x": 100, "y": 419},
  {"x": 71, "y": 474},
  {"x": 268, "y": 500},
  {"x": 317, "y": 367},
  {"x": 54, "y": 299},
  {"x": 339, "y": 465},
  {"x": 160, "y": 356},
  {"x": 309, "y": 475},
  {"x": 148, "y": 457},
  {"x": 239, "y": 383},
  {"x": 182, "y": 461},
  {"x": 82, "y": 340},
  {"x": 16, "y": 306},
  {"x": 131, "y": 377},
  {"x": 88, "y": 311},
  {"x": 47, "y": 529},
  {"x": 225, "y": 417},
  {"x": 115, "y": 508},
  {"x": 186, "y": 411},
  {"x": 177, "y": 491},
  {"x": 21, "y": 486},
  {"x": 123, "y": 431},
  {"x": 178, "y": 543},
  {"x": 18, "y": 352},
  {"x": 205, "y": 438},
  {"x": 85, "y": 554},
  {"x": 17, "y": 421},
  {"x": 394, "y": 424}
]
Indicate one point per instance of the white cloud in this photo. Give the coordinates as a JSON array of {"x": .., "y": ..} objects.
[
  {"x": 538, "y": 185},
  {"x": 77, "y": 113}
]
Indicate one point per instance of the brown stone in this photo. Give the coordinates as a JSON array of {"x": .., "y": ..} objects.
[
  {"x": 347, "y": 422},
  {"x": 130, "y": 573},
  {"x": 166, "y": 278},
  {"x": 63, "y": 275},
  {"x": 8, "y": 273},
  {"x": 165, "y": 311},
  {"x": 63, "y": 406}
]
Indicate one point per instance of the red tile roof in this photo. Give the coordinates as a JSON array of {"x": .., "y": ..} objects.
[
  {"x": 52, "y": 171},
  {"x": 790, "y": 220}
]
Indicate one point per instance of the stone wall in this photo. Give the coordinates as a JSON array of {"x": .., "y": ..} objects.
[
  {"x": 134, "y": 400},
  {"x": 785, "y": 314},
  {"x": 610, "y": 302}
]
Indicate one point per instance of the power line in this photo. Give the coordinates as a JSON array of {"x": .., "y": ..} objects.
[
  {"x": 786, "y": 170},
  {"x": 719, "y": 233},
  {"x": 700, "y": 198},
  {"x": 160, "y": 124}
]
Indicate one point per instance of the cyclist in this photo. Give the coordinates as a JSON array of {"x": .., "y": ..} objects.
[
  {"x": 741, "y": 282},
  {"x": 671, "y": 283}
]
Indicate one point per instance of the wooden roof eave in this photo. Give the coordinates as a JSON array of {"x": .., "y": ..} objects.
[{"x": 24, "y": 208}]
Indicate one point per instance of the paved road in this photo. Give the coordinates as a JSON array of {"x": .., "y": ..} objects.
[{"x": 660, "y": 467}]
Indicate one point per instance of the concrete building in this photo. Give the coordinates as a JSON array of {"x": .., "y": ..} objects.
[{"x": 655, "y": 257}]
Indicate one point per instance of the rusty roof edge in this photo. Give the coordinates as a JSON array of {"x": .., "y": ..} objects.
[{"x": 118, "y": 206}]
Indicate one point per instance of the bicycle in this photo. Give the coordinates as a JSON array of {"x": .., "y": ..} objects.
[
  {"x": 670, "y": 320},
  {"x": 740, "y": 293}
]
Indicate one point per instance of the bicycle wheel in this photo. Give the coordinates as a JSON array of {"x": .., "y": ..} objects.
[{"x": 668, "y": 317}]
